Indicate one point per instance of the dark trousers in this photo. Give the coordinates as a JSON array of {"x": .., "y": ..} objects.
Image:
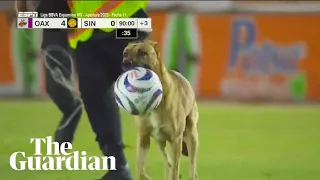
[
  {"x": 60, "y": 95},
  {"x": 99, "y": 65}
]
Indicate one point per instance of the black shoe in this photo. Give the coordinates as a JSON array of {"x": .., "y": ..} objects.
[
  {"x": 67, "y": 127},
  {"x": 120, "y": 174}
]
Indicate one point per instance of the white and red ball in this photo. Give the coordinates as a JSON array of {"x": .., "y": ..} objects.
[{"x": 138, "y": 91}]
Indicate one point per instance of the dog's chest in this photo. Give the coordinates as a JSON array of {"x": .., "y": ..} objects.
[{"x": 158, "y": 129}]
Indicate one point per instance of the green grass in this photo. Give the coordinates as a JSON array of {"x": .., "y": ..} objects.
[{"x": 236, "y": 142}]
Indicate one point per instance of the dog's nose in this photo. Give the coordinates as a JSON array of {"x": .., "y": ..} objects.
[{"x": 127, "y": 65}]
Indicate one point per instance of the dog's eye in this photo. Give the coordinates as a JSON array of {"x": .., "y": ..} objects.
[
  {"x": 142, "y": 53},
  {"x": 125, "y": 54}
]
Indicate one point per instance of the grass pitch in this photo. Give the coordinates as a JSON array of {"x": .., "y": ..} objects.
[{"x": 236, "y": 142}]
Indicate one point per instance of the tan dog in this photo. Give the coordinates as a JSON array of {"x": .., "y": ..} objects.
[{"x": 174, "y": 121}]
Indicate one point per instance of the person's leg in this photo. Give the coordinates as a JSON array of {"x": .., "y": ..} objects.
[
  {"x": 192, "y": 41},
  {"x": 98, "y": 66},
  {"x": 192, "y": 74},
  {"x": 171, "y": 42},
  {"x": 69, "y": 105},
  {"x": 95, "y": 85}
]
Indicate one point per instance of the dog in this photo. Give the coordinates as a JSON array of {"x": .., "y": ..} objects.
[{"x": 173, "y": 121}]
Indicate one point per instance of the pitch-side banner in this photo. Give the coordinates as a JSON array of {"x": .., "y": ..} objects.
[
  {"x": 252, "y": 56},
  {"x": 249, "y": 56}
]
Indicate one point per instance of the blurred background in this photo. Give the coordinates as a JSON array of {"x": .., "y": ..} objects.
[
  {"x": 238, "y": 50},
  {"x": 254, "y": 66}
]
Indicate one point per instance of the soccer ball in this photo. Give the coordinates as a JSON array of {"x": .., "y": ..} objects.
[{"x": 138, "y": 91}]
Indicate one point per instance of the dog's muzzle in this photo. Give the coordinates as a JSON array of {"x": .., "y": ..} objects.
[{"x": 127, "y": 65}]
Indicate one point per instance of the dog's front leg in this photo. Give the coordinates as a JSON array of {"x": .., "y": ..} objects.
[
  {"x": 143, "y": 148},
  {"x": 168, "y": 162},
  {"x": 176, "y": 153}
]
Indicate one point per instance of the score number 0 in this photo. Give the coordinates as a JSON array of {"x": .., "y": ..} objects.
[{"x": 113, "y": 23}]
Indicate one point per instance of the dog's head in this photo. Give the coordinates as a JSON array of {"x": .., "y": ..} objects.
[{"x": 141, "y": 54}]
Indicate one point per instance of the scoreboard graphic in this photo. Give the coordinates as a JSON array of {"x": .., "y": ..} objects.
[{"x": 125, "y": 27}]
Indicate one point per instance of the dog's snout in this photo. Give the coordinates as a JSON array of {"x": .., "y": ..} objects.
[
  {"x": 146, "y": 66},
  {"x": 126, "y": 60},
  {"x": 127, "y": 65}
]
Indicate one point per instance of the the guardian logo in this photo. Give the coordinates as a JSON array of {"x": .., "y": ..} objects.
[{"x": 58, "y": 158}]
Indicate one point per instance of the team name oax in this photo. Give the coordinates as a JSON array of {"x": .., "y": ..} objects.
[
  {"x": 57, "y": 158},
  {"x": 41, "y": 23}
]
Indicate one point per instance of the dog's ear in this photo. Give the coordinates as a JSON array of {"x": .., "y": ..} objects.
[{"x": 155, "y": 47}]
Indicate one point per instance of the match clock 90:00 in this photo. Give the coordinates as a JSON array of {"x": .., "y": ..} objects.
[
  {"x": 127, "y": 34},
  {"x": 125, "y": 23}
]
